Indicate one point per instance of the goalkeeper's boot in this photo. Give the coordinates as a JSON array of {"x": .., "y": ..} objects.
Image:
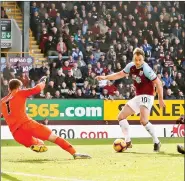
[
  {"x": 129, "y": 144},
  {"x": 157, "y": 147},
  {"x": 180, "y": 149},
  {"x": 81, "y": 156},
  {"x": 39, "y": 148}
]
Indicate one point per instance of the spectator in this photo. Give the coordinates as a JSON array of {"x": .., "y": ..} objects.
[
  {"x": 93, "y": 94},
  {"x": 64, "y": 90},
  {"x": 167, "y": 79},
  {"x": 177, "y": 31},
  {"x": 50, "y": 88},
  {"x": 48, "y": 95},
  {"x": 108, "y": 69},
  {"x": 76, "y": 53},
  {"x": 69, "y": 79},
  {"x": 85, "y": 27},
  {"x": 3, "y": 14},
  {"x": 117, "y": 96},
  {"x": 66, "y": 67},
  {"x": 34, "y": 73},
  {"x": 147, "y": 48},
  {"x": 86, "y": 89},
  {"x": 34, "y": 8},
  {"x": 80, "y": 62},
  {"x": 92, "y": 60},
  {"x": 98, "y": 70},
  {"x": 170, "y": 95},
  {"x": 59, "y": 79},
  {"x": 174, "y": 88},
  {"x": 25, "y": 80},
  {"x": 36, "y": 25},
  {"x": 110, "y": 54},
  {"x": 18, "y": 70},
  {"x": 103, "y": 83},
  {"x": 111, "y": 88},
  {"x": 110, "y": 36},
  {"x": 103, "y": 28},
  {"x": 50, "y": 47},
  {"x": 43, "y": 39},
  {"x": 43, "y": 69},
  {"x": 127, "y": 80},
  {"x": 77, "y": 73},
  {"x": 97, "y": 54},
  {"x": 83, "y": 12},
  {"x": 91, "y": 79},
  {"x": 53, "y": 11},
  {"x": 79, "y": 94},
  {"x": 180, "y": 81},
  {"x": 8, "y": 72},
  {"x": 105, "y": 95},
  {"x": 42, "y": 10},
  {"x": 4, "y": 88},
  {"x": 61, "y": 47},
  {"x": 180, "y": 95},
  {"x": 59, "y": 62},
  {"x": 57, "y": 95}
]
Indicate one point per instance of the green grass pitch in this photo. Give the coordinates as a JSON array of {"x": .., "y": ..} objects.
[{"x": 137, "y": 164}]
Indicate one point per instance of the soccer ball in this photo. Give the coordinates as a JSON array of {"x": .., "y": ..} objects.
[{"x": 119, "y": 145}]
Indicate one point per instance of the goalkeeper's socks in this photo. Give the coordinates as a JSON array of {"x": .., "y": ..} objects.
[
  {"x": 125, "y": 129},
  {"x": 65, "y": 145},
  {"x": 150, "y": 128}
]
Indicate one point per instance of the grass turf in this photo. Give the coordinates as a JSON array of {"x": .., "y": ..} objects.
[{"x": 137, "y": 164}]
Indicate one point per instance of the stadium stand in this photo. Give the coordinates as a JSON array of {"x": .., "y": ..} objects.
[{"x": 78, "y": 40}]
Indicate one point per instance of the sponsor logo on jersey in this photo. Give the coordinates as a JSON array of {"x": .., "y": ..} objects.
[
  {"x": 141, "y": 73},
  {"x": 138, "y": 80}
]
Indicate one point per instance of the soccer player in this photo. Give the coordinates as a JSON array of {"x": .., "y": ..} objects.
[
  {"x": 25, "y": 130},
  {"x": 144, "y": 80}
]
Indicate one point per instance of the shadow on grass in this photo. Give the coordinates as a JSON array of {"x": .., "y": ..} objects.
[
  {"x": 39, "y": 160},
  {"x": 8, "y": 177},
  {"x": 162, "y": 153}
]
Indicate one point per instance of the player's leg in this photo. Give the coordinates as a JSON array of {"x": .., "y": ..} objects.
[
  {"x": 67, "y": 146},
  {"x": 44, "y": 133},
  {"x": 128, "y": 109},
  {"x": 25, "y": 138},
  {"x": 145, "y": 107}
]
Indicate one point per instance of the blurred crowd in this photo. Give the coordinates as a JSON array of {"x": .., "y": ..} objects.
[{"x": 86, "y": 39}]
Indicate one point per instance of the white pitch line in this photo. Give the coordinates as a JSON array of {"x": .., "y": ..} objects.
[{"x": 42, "y": 176}]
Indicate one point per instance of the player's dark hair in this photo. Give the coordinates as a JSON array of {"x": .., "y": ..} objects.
[
  {"x": 14, "y": 84},
  {"x": 139, "y": 51}
]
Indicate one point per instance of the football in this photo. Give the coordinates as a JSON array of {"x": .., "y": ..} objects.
[{"x": 119, "y": 145}]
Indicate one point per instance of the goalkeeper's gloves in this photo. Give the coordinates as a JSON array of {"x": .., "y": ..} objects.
[{"x": 43, "y": 79}]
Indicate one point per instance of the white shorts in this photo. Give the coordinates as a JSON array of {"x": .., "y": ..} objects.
[{"x": 141, "y": 100}]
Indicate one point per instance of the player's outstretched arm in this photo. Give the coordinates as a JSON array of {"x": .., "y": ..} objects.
[
  {"x": 35, "y": 90},
  {"x": 113, "y": 76},
  {"x": 160, "y": 92}
]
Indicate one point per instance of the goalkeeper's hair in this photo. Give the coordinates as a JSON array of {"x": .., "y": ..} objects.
[{"x": 14, "y": 84}]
